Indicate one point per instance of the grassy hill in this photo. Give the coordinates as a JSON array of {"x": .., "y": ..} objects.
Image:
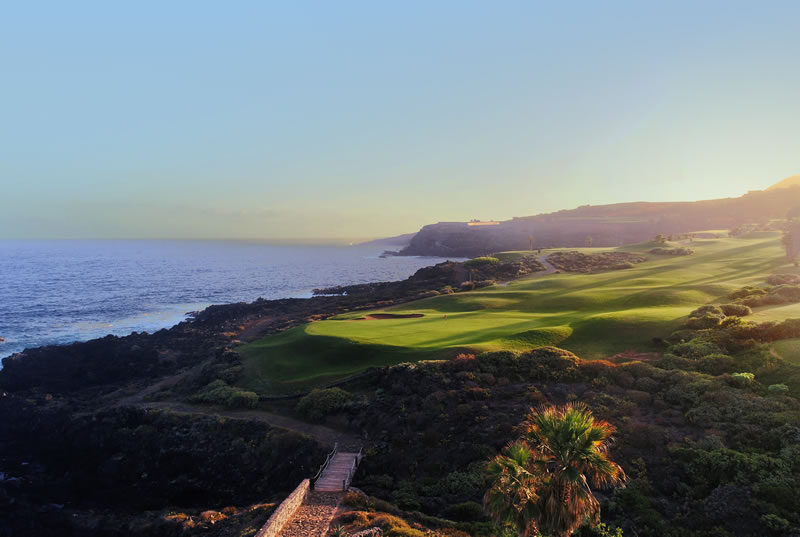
[{"x": 592, "y": 315}]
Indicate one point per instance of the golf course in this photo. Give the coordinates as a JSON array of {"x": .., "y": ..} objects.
[{"x": 594, "y": 315}]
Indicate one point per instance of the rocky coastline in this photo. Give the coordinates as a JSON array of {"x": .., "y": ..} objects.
[{"x": 82, "y": 456}]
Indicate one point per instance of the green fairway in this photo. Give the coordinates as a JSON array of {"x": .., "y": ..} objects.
[{"x": 593, "y": 315}]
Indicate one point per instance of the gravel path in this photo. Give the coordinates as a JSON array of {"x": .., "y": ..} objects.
[{"x": 314, "y": 517}]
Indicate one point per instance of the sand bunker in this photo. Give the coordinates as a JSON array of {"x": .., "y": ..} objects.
[{"x": 384, "y": 316}]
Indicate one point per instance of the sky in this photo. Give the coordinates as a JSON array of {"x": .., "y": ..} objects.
[{"x": 301, "y": 120}]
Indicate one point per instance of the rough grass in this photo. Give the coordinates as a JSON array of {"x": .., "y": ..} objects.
[
  {"x": 788, "y": 349},
  {"x": 593, "y": 315}
]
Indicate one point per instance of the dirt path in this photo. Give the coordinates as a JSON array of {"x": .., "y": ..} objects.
[
  {"x": 774, "y": 353},
  {"x": 548, "y": 269},
  {"x": 167, "y": 382},
  {"x": 321, "y": 433}
]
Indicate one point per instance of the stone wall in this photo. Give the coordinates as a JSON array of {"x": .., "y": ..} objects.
[{"x": 285, "y": 511}]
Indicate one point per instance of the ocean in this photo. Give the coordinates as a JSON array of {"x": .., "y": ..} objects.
[{"x": 56, "y": 292}]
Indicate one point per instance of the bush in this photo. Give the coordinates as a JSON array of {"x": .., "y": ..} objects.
[
  {"x": 695, "y": 348},
  {"x": 748, "y": 291},
  {"x": 481, "y": 261},
  {"x": 774, "y": 522},
  {"x": 672, "y": 251},
  {"x": 404, "y": 532},
  {"x": 465, "y": 512},
  {"x": 703, "y": 323},
  {"x": 743, "y": 379},
  {"x": 783, "y": 279},
  {"x": 708, "y": 309},
  {"x": 320, "y": 403},
  {"x": 242, "y": 399},
  {"x": 715, "y": 364},
  {"x": 735, "y": 310},
  {"x": 220, "y": 393},
  {"x": 778, "y": 388}
]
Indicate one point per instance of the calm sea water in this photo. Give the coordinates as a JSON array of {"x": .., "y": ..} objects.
[{"x": 54, "y": 292}]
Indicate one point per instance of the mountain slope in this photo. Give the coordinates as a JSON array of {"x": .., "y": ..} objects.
[{"x": 791, "y": 181}]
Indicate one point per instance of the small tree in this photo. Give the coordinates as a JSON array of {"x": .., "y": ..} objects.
[{"x": 589, "y": 241}]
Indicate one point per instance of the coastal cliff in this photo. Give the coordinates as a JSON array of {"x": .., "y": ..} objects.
[{"x": 601, "y": 225}]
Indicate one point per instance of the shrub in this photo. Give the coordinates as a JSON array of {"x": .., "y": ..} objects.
[
  {"x": 404, "y": 532},
  {"x": 389, "y": 522},
  {"x": 465, "y": 512},
  {"x": 672, "y": 251},
  {"x": 428, "y": 294},
  {"x": 778, "y": 388},
  {"x": 220, "y": 393},
  {"x": 708, "y": 309},
  {"x": 703, "y": 323},
  {"x": 242, "y": 399},
  {"x": 748, "y": 291},
  {"x": 736, "y": 310},
  {"x": 357, "y": 518},
  {"x": 783, "y": 279},
  {"x": 484, "y": 283},
  {"x": 320, "y": 403},
  {"x": 481, "y": 261},
  {"x": 695, "y": 348},
  {"x": 715, "y": 364},
  {"x": 790, "y": 293},
  {"x": 743, "y": 379},
  {"x": 774, "y": 522}
]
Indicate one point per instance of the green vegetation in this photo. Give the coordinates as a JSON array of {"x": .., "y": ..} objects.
[
  {"x": 539, "y": 486},
  {"x": 219, "y": 392},
  {"x": 481, "y": 261},
  {"x": 320, "y": 403},
  {"x": 706, "y": 455},
  {"x": 594, "y": 315},
  {"x": 788, "y": 349}
]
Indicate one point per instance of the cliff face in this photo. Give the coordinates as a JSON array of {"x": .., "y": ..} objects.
[{"x": 607, "y": 225}]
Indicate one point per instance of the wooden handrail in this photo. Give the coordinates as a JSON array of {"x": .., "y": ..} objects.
[{"x": 325, "y": 464}]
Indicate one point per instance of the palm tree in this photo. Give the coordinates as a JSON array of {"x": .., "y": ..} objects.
[
  {"x": 513, "y": 500},
  {"x": 546, "y": 475}
]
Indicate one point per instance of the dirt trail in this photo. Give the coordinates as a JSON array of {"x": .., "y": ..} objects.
[
  {"x": 321, "y": 433},
  {"x": 167, "y": 382},
  {"x": 774, "y": 353}
]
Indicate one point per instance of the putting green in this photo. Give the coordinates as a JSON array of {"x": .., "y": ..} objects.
[{"x": 593, "y": 315}]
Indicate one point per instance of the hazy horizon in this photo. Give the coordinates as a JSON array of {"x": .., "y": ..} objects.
[{"x": 357, "y": 120}]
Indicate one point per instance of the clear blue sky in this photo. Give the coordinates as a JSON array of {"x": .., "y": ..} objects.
[{"x": 358, "y": 119}]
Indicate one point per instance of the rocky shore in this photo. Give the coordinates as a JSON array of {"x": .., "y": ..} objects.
[{"x": 81, "y": 456}]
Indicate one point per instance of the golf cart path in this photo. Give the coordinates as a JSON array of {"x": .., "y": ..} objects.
[{"x": 548, "y": 269}]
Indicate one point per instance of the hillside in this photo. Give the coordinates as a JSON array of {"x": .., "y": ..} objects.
[
  {"x": 791, "y": 181},
  {"x": 607, "y": 225},
  {"x": 576, "y": 312}
]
